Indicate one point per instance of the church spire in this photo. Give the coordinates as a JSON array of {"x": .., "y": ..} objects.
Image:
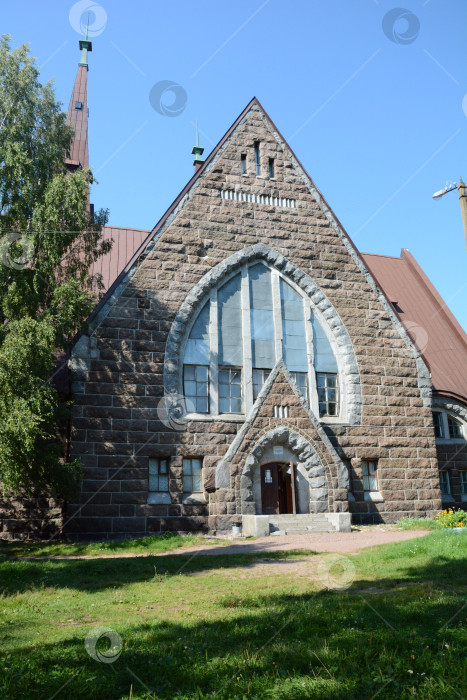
[
  {"x": 77, "y": 116},
  {"x": 197, "y": 151}
]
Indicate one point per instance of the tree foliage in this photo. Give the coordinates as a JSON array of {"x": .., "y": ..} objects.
[
  {"x": 31, "y": 456},
  {"x": 48, "y": 242}
]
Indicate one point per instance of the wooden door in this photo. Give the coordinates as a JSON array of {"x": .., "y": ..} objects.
[{"x": 269, "y": 489}]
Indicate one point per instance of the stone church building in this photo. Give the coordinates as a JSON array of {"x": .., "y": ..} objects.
[{"x": 249, "y": 366}]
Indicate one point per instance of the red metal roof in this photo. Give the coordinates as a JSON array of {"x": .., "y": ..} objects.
[
  {"x": 126, "y": 241},
  {"x": 426, "y": 317}
]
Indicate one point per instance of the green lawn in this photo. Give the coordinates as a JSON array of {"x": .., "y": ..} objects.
[
  {"x": 155, "y": 544},
  {"x": 239, "y": 626}
]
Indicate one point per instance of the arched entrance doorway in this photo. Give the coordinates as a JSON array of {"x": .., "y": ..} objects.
[{"x": 278, "y": 488}]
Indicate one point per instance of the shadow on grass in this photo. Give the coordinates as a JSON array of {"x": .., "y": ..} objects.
[
  {"x": 327, "y": 645},
  {"x": 19, "y": 575},
  {"x": 152, "y": 543},
  {"x": 438, "y": 558},
  {"x": 400, "y": 636}
]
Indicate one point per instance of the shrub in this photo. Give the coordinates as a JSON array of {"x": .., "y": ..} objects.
[{"x": 452, "y": 518}]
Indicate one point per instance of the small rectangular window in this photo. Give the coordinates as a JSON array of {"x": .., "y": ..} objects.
[
  {"x": 328, "y": 393},
  {"x": 158, "y": 475},
  {"x": 267, "y": 476},
  {"x": 455, "y": 428},
  {"x": 271, "y": 168},
  {"x": 78, "y": 105},
  {"x": 257, "y": 163},
  {"x": 370, "y": 481},
  {"x": 196, "y": 388},
  {"x": 191, "y": 475},
  {"x": 444, "y": 484},
  {"x": 438, "y": 424},
  {"x": 463, "y": 482},
  {"x": 301, "y": 381},
  {"x": 230, "y": 390},
  {"x": 243, "y": 163},
  {"x": 259, "y": 377}
]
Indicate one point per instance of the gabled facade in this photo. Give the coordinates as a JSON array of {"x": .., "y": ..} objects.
[{"x": 245, "y": 364}]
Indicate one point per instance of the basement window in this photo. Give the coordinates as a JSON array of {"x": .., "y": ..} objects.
[{"x": 370, "y": 481}]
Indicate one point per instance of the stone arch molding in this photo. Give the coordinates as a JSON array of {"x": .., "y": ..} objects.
[
  {"x": 308, "y": 459},
  {"x": 451, "y": 406},
  {"x": 348, "y": 368}
]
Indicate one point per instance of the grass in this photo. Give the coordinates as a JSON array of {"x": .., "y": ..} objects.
[
  {"x": 154, "y": 544},
  {"x": 239, "y": 626},
  {"x": 416, "y": 524}
]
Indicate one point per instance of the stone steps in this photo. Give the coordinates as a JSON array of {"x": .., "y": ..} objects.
[{"x": 300, "y": 524}]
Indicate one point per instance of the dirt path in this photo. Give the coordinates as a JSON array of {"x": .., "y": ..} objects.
[
  {"x": 338, "y": 542},
  {"x": 332, "y": 546},
  {"x": 341, "y": 542}
]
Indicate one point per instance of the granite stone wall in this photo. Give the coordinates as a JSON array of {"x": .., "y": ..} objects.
[
  {"x": 29, "y": 518},
  {"x": 118, "y": 368}
]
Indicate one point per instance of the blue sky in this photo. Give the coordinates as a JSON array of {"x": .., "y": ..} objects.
[{"x": 376, "y": 117}]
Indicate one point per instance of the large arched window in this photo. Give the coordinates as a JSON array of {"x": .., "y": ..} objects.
[{"x": 250, "y": 322}]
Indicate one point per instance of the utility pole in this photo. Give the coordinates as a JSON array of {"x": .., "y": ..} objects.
[
  {"x": 461, "y": 187},
  {"x": 463, "y": 202}
]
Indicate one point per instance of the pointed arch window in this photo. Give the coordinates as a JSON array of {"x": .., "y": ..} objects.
[{"x": 251, "y": 321}]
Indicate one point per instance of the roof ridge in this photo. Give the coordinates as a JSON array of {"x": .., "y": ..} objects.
[
  {"x": 128, "y": 228},
  {"x": 382, "y": 255}
]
